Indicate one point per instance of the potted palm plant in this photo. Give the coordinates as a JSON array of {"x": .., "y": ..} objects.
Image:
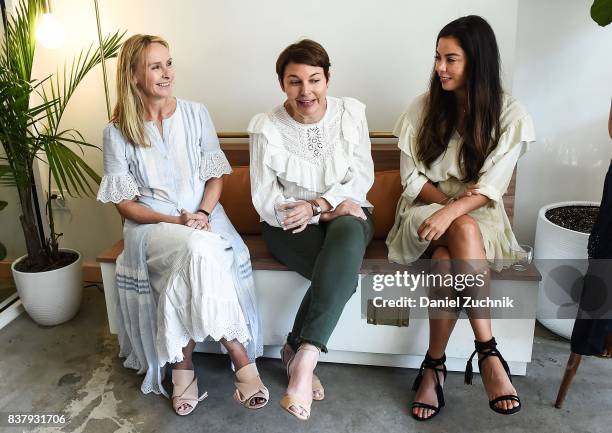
[
  {"x": 2, "y": 247},
  {"x": 47, "y": 278}
]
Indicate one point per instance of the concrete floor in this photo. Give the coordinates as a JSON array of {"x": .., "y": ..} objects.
[{"x": 73, "y": 368}]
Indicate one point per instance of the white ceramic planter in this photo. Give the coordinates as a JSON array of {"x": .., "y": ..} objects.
[
  {"x": 562, "y": 246},
  {"x": 51, "y": 297}
]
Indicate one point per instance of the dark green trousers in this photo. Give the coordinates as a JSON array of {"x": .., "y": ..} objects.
[{"x": 330, "y": 256}]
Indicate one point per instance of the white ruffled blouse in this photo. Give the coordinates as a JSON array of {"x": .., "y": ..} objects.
[{"x": 330, "y": 159}]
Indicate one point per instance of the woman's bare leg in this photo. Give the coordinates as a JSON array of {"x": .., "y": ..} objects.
[
  {"x": 240, "y": 358},
  {"x": 441, "y": 324},
  {"x": 300, "y": 382},
  {"x": 465, "y": 244},
  {"x": 186, "y": 363}
]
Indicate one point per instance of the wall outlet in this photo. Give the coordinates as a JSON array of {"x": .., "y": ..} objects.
[
  {"x": 58, "y": 200},
  {"x": 56, "y": 194}
]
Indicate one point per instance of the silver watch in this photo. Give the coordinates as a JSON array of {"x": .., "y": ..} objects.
[{"x": 316, "y": 209}]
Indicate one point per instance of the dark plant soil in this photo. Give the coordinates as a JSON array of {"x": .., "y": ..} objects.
[
  {"x": 578, "y": 218},
  {"x": 65, "y": 258}
]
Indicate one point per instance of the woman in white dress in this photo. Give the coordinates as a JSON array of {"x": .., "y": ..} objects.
[
  {"x": 311, "y": 157},
  {"x": 185, "y": 273},
  {"x": 459, "y": 145}
]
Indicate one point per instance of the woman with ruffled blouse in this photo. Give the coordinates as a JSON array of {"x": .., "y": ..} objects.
[{"x": 310, "y": 159}]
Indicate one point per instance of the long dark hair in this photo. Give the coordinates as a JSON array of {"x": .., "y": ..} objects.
[{"x": 484, "y": 100}]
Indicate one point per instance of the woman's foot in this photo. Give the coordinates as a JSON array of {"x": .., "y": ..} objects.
[
  {"x": 427, "y": 394},
  {"x": 239, "y": 357},
  {"x": 497, "y": 383},
  {"x": 185, "y": 395},
  {"x": 300, "y": 380},
  {"x": 429, "y": 398},
  {"x": 318, "y": 392},
  {"x": 250, "y": 390},
  {"x": 185, "y": 364}
]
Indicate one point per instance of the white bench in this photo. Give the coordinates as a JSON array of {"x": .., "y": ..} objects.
[{"x": 279, "y": 293}]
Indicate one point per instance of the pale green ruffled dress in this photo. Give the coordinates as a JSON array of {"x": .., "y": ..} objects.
[{"x": 500, "y": 244}]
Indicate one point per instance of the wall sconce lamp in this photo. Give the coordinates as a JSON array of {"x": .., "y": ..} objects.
[{"x": 50, "y": 33}]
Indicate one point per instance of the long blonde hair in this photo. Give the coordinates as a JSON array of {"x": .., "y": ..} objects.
[{"x": 128, "y": 115}]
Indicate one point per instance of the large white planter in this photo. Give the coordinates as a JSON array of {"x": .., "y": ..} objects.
[
  {"x": 51, "y": 297},
  {"x": 556, "y": 250}
]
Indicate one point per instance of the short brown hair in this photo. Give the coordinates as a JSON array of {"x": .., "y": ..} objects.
[{"x": 307, "y": 52}]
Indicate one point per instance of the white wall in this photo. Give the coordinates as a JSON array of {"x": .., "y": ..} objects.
[
  {"x": 225, "y": 51},
  {"x": 563, "y": 74}
]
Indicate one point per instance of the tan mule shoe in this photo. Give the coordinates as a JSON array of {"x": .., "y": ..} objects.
[
  {"x": 301, "y": 408},
  {"x": 318, "y": 392},
  {"x": 185, "y": 391},
  {"x": 249, "y": 387}
]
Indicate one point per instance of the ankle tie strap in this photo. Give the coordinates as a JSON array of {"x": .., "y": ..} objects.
[
  {"x": 430, "y": 363},
  {"x": 486, "y": 348}
]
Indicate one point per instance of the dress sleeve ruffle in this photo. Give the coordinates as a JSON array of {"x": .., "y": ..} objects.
[
  {"x": 496, "y": 172},
  {"x": 214, "y": 164},
  {"x": 519, "y": 133},
  {"x": 116, "y": 188},
  {"x": 412, "y": 178}
]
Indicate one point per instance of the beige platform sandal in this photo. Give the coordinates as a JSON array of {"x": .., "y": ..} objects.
[
  {"x": 291, "y": 401},
  {"x": 318, "y": 392},
  {"x": 185, "y": 391},
  {"x": 249, "y": 386}
]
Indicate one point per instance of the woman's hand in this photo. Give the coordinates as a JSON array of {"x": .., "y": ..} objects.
[
  {"x": 471, "y": 190},
  {"x": 198, "y": 220},
  {"x": 436, "y": 225},
  {"x": 347, "y": 207},
  {"x": 297, "y": 216}
]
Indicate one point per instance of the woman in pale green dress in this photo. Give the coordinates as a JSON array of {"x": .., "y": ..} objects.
[{"x": 459, "y": 145}]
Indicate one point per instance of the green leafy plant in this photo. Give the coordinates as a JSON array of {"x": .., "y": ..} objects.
[
  {"x": 31, "y": 111},
  {"x": 601, "y": 12},
  {"x": 2, "y": 247}
]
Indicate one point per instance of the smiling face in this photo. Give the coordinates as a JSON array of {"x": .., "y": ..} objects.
[
  {"x": 451, "y": 64},
  {"x": 154, "y": 74},
  {"x": 306, "y": 90}
]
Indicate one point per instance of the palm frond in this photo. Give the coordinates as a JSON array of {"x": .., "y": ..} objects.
[
  {"x": 62, "y": 87},
  {"x": 70, "y": 171}
]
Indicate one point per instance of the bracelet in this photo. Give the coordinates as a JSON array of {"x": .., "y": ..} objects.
[
  {"x": 203, "y": 211},
  {"x": 449, "y": 200}
]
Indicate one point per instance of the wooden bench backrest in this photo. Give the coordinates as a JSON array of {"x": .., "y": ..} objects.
[{"x": 386, "y": 157}]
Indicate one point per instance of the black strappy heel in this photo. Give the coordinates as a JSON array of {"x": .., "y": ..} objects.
[
  {"x": 489, "y": 348},
  {"x": 432, "y": 364}
]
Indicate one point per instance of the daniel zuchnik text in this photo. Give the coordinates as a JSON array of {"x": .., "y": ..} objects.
[{"x": 460, "y": 302}]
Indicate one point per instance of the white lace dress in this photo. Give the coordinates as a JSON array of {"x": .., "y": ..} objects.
[
  {"x": 330, "y": 159},
  {"x": 201, "y": 282}
]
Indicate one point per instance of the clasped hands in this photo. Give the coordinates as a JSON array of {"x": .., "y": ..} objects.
[
  {"x": 197, "y": 220},
  {"x": 300, "y": 212},
  {"x": 436, "y": 225}
]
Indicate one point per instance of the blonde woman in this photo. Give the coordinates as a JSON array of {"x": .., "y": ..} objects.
[{"x": 185, "y": 274}]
